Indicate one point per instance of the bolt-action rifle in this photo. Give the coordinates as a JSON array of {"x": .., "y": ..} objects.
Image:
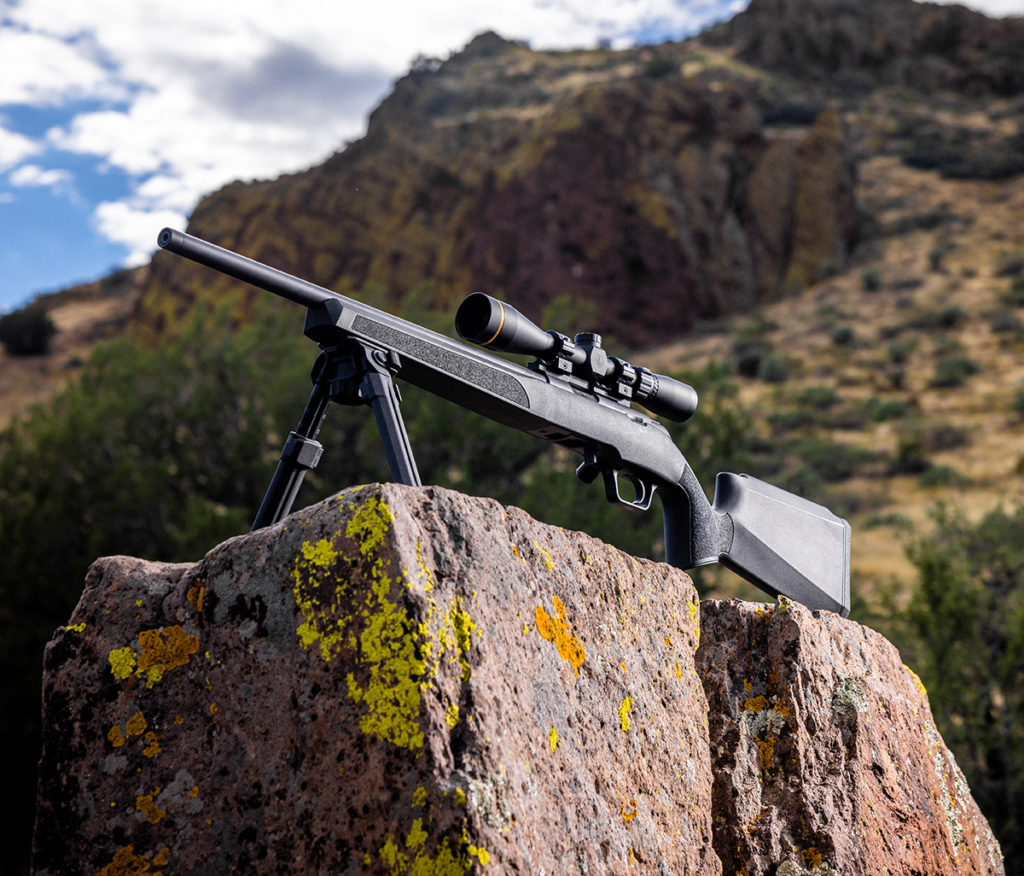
[{"x": 573, "y": 394}]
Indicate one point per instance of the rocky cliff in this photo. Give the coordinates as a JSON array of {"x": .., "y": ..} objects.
[
  {"x": 644, "y": 182},
  {"x": 404, "y": 680}
]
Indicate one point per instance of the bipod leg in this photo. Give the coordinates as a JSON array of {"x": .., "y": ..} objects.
[
  {"x": 301, "y": 452},
  {"x": 378, "y": 388}
]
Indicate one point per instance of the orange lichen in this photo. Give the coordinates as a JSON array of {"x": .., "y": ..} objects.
[
  {"x": 127, "y": 863},
  {"x": 152, "y": 748},
  {"x": 161, "y": 650},
  {"x": 756, "y": 704},
  {"x": 195, "y": 596},
  {"x": 115, "y": 736},
  {"x": 136, "y": 724},
  {"x": 146, "y": 804},
  {"x": 629, "y": 814},
  {"x": 558, "y": 631},
  {"x": 812, "y": 857},
  {"x": 766, "y": 751}
]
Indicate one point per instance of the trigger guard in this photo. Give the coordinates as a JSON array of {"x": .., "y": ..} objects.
[{"x": 644, "y": 490}]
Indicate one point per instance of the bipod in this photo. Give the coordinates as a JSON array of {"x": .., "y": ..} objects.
[{"x": 353, "y": 373}]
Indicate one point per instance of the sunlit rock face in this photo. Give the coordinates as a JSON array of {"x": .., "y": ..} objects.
[{"x": 408, "y": 680}]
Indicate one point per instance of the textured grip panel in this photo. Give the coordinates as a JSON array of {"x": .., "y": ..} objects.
[{"x": 491, "y": 379}]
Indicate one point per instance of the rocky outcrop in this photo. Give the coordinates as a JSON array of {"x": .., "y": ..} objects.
[
  {"x": 877, "y": 42},
  {"x": 406, "y": 680},
  {"x": 825, "y": 752},
  {"x": 619, "y": 179}
]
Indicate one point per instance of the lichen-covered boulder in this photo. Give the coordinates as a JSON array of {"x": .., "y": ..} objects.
[
  {"x": 826, "y": 756},
  {"x": 396, "y": 680}
]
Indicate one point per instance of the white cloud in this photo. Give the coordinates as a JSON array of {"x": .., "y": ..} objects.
[
  {"x": 57, "y": 179},
  {"x": 192, "y": 95},
  {"x": 134, "y": 227},
  {"x": 42, "y": 69},
  {"x": 15, "y": 148}
]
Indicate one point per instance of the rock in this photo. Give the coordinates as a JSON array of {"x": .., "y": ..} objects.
[
  {"x": 826, "y": 755},
  {"x": 406, "y": 680},
  {"x": 396, "y": 680}
]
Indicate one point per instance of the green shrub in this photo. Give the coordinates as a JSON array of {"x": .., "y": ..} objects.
[
  {"x": 911, "y": 454},
  {"x": 871, "y": 280},
  {"x": 1014, "y": 296},
  {"x": 820, "y": 398},
  {"x": 844, "y": 336},
  {"x": 27, "y": 332},
  {"x": 943, "y": 476},
  {"x": 1010, "y": 263},
  {"x": 773, "y": 369},
  {"x": 952, "y": 371}
]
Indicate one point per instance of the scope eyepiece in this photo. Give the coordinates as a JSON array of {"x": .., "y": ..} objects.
[
  {"x": 491, "y": 323},
  {"x": 670, "y": 398}
]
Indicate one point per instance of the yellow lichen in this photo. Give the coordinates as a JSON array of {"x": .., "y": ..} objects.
[
  {"x": 391, "y": 648},
  {"x": 917, "y": 680},
  {"x": 629, "y": 814},
  {"x": 624, "y": 709},
  {"x": 558, "y": 631},
  {"x": 553, "y": 739},
  {"x": 444, "y": 862},
  {"x": 457, "y": 620},
  {"x": 481, "y": 854},
  {"x": 76, "y": 628},
  {"x": 451, "y": 715},
  {"x": 369, "y": 525},
  {"x": 545, "y": 557},
  {"x": 417, "y": 835},
  {"x": 122, "y": 662},
  {"x": 419, "y": 797}
]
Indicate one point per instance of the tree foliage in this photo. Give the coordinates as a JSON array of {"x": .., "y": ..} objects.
[{"x": 966, "y": 619}]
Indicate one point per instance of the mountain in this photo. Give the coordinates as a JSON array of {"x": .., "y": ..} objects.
[{"x": 645, "y": 182}]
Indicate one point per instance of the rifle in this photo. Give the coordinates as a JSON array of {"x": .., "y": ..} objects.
[{"x": 573, "y": 394}]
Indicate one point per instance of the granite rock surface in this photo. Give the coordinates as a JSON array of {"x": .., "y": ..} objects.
[{"x": 409, "y": 681}]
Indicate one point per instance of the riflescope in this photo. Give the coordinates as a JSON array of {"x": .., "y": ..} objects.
[{"x": 496, "y": 325}]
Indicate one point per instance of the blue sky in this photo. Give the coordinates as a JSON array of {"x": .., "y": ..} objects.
[{"x": 117, "y": 116}]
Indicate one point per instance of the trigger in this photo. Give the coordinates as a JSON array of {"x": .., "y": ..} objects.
[{"x": 643, "y": 491}]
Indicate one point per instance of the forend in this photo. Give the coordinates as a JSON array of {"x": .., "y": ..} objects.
[{"x": 496, "y": 325}]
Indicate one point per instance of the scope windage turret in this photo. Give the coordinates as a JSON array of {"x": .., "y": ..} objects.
[{"x": 491, "y": 323}]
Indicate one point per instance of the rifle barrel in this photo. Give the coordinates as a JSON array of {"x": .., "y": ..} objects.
[{"x": 241, "y": 268}]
